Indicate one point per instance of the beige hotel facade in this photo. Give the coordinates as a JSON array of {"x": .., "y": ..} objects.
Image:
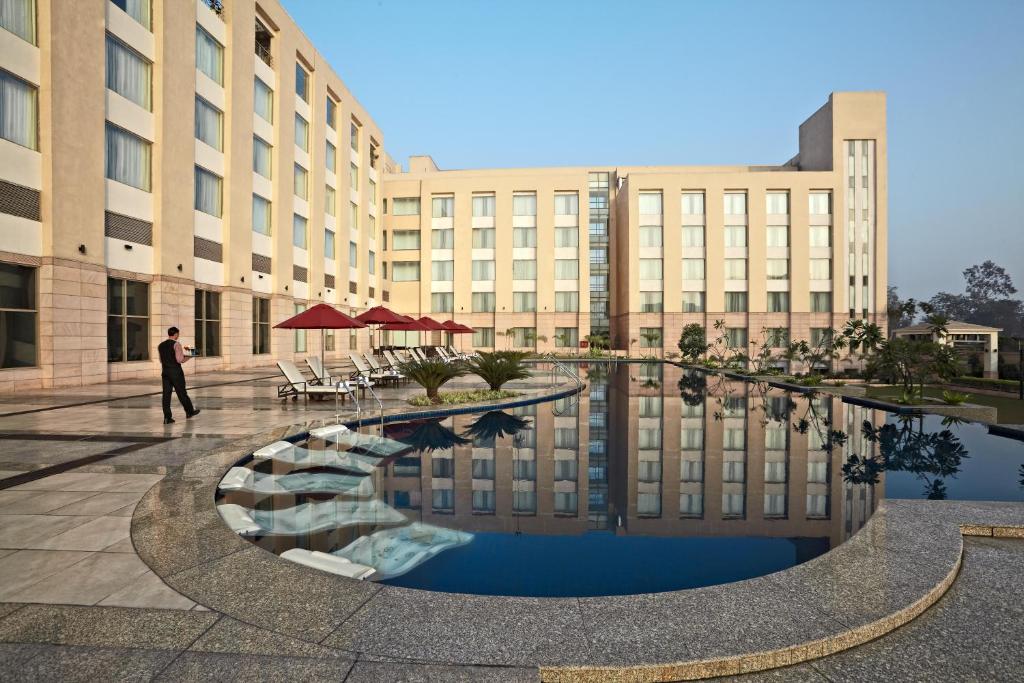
[{"x": 199, "y": 164}]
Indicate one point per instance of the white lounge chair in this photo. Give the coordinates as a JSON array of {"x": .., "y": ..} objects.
[
  {"x": 297, "y": 385},
  {"x": 389, "y": 372},
  {"x": 320, "y": 373},
  {"x": 364, "y": 373}
]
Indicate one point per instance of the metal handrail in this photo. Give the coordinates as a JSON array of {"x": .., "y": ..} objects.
[
  {"x": 564, "y": 369},
  {"x": 380, "y": 405}
]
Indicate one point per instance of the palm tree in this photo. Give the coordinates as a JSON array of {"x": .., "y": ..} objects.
[
  {"x": 432, "y": 374},
  {"x": 652, "y": 337},
  {"x": 498, "y": 368}
]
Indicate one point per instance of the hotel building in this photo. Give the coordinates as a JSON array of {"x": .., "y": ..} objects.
[{"x": 199, "y": 164}]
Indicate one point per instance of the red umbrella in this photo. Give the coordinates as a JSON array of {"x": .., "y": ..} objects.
[
  {"x": 431, "y": 324},
  {"x": 411, "y": 326},
  {"x": 452, "y": 327},
  {"x": 379, "y": 315},
  {"x": 320, "y": 317}
]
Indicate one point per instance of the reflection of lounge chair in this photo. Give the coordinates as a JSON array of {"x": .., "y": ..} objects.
[
  {"x": 308, "y": 518},
  {"x": 297, "y": 385},
  {"x": 371, "y": 444},
  {"x": 245, "y": 479},
  {"x": 393, "y": 552},
  {"x": 303, "y": 458},
  {"x": 328, "y": 563}
]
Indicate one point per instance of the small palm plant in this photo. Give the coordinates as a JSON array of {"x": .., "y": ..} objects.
[
  {"x": 499, "y": 367},
  {"x": 432, "y": 374}
]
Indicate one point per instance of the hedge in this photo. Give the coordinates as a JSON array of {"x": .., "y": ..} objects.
[{"x": 987, "y": 383}]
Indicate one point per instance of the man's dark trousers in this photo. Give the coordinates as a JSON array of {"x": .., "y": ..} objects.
[{"x": 174, "y": 378}]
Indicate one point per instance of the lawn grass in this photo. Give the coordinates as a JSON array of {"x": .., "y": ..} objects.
[{"x": 1011, "y": 409}]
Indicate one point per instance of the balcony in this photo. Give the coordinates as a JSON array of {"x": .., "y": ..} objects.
[{"x": 262, "y": 45}]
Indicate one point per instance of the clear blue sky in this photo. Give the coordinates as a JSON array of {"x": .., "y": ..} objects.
[{"x": 634, "y": 83}]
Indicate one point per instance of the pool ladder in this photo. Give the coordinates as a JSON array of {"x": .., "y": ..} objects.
[{"x": 556, "y": 367}]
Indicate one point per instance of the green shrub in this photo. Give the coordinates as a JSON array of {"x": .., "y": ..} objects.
[
  {"x": 454, "y": 398},
  {"x": 954, "y": 398},
  {"x": 498, "y": 367},
  {"x": 810, "y": 380},
  {"x": 987, "y": 383},
  {"x": 432, "y": 374},
  {"x": 909, "y": 397}
]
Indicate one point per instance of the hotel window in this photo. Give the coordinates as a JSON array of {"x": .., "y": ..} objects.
[
  {"x": 483, "y": 337},
  {"x": 353, "y": 255},
  {"x": 129, "y": 74},
  {"x": 599, "y": 256},
  {"x": 693, "y": 302},
  {"x": 264, "y": 101},
  {"x": 735, "y": 203},
  {"x": 442, "y": 302},
  {"x": 778, "y": 338},
  {"x": 330, "y": 201},
  {"x": 567, "y": 269},
  {"x": 331, "y": 158},
  {"x": 371, "y": 189},
  {"x": 567, "y": 338},
  {"x": 329, "y": 244},
  {"x": 260, "y": 215},
  {"x": 371, "y": 262},
  {"x": 443, "y": 207},
  {"x": 300, "y": 335},
  {"x": 736, "y": 338},
  {"x": 567, "y": 302},
  {"x": 207, "y": 323},
  {"x": 301, "y": 82},
  {"x": 402, "y": 240},
  {"x": 567, "y": 237},
  {"x": 483, "y": 271},
  {"x": 524, "y": 238},
  {"x": 524, "y": 204},
  {"x": 735, "y": 269},
  {"x": 261, "y": 157},
  {"x": 332, "y": 113},
  {"x": 524, "y": 269},
  {"x": 209, "y": 124},
  {"x": 693, "y": 203},
  {"x": 209, "y": 193},
  {"x": 821, "y": 236},
  {"x": 693, "y": 269},
  {"x": 483, "y": 205},
  {"x": 127, "y": 320},
  {"x": 777, "y": 203},
  {"x": 651, "y": 302},
  {"x": 260, "y": 325},
  {"x": 442, "y": 271},
  {"x": 523, "y": 336},
  {"x": 735, "y": 302},
  {"x": 301, "y": 182},
  {"x": 128, "y": 158},
  {"x": 650, "y": 236},
  {"x": 524, "y": 302},
  {"x": 821, "y": 269},
  {"x": 405, "y": 206},
  {"x": 19, "y": 17},
  {"x": 354, "y": 136},
  {"x": 483, "y": 302},
  {"x": 442, "y": 239},
  {"x": 651, "y": 269},
  {"x": 778, "y": 236},
  {"x": 353, "y": 177},
  {"x": 777, "y": 269},
  {"x": 735, "y": 236},
  {"x": 405, "y": 271},
  {"x": 567, "y": 204},
  {"x": 820, "y": 336},
  {"x": 650, "y": 338},
  {"x": 209, "y": 56},
  {"x": 778, "y": 302},
  {"x": 19, "y": 112},
  {"x": 483, "y": 238},
  {"x": 299, "y": 231},
  {"x": 650, "y": 203},
  {"x": 821, "y": 302},
  {"x": 693, "y": 236},
  {"x": 301, "y": 133},
  {"x": 819, "y": 203},
  {"x": 353, "y": 217}
]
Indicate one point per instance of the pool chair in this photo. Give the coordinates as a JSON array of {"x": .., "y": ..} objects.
[
  {"x": 366, "y": 375},
  {"x": 320, "y": 373},
  {"x": 459, "y": 354},
  {"x": 394, "y": 362},
  {"x": 297, "y": 385},
  {"x": 443, "y": 355},
  {"x": 390, "y": 373}
]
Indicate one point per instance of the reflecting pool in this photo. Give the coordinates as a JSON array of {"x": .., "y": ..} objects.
[{"x": 654, "y": 478}]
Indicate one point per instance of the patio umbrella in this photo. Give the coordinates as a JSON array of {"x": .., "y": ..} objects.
[
  {"x": 452, "y": 327},
  {"x": 410, "y": 326},
  {"x": 320, "y": 317},
  {"x": 431, "y": 324},
  {"x": 379, "y": 315}
]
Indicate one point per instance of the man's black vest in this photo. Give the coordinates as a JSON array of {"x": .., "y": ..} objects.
[{"x": 167, "y": 357}]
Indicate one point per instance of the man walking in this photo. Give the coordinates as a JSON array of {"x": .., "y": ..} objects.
[{"x": 171, "y": 358}]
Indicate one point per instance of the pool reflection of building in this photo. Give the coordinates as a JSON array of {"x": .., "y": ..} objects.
[{"x": 633, "y": 456}]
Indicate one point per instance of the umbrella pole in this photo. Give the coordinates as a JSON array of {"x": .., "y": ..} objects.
[{"x": 323, "y": 362}]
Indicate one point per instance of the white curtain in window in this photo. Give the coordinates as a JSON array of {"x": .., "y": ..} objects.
[
  {"x": 442, "y": 239},
  {"x": 735, "y": 236},
  {"x": 406, "y": 206},
  {"x": 693, "y": 269},
  {"x": 301, "y": 133},
  {"x": 650, "y": 203},
  {"x": 567, "y": 302},
  {"x": 301, "y": 178},
  {"x": 442, "y": 271},
  {"x": 483, "y": 336},
  {"x": 483, "y": 238},
  {"x": 208, "y": 192},
  {"x": 735, "y": 203},
  {"x": 260, "y": 215},
  {"x": 524, "y": 237},
  {"x": 650, "y": 236},
  {"x": 777, "y": 203},
  {"x": 567, "y": 237},
  {"x": 405, "y": 239},
  {"x": 328, "y": 244},
  {"x": 778, "y": 236},
  {"x": 299, "y": 231},
  {"x": 405, "y": 271},
  {"x": 19, "y": 17},
  {"x": 264, "y": 101},
  {"x": 443, "y": 207},
  {"x": 735, "y": 269},
  {"x": 693, "y": 236},
  {"x": 818, "y": 203},
  {"x": 693, "y": 203},
  {"x": 128, "y": 73},
  {"x": 693, "y": 302},
  {"x": 330, "y": 201},
  {"x": 208, "y": 125},
  {"x": 483, "y": 271},
  {"x": 18, "y": 110},
  {"x": 524, "y": 205},
  {"x": 567, "y": 269},
  {"x": 209, "y": 56},
  {"x": 139, "y": 10},
  {"x": 483, "y": 302},
  {"x": 524, "y": 270},
  {"x": 777, "y": 269},
  {"x": 821, "y": 269},
  {"x": 127, "y": 158},
  {"x": 524, "y": 302},
  {"x": 483, "y": 205},
  {"x": 650, "y": 269},
  {"x": 820, "y": 236},
  {"x": 567, "y": 204}
]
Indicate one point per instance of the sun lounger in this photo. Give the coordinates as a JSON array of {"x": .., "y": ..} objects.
[
  {"x": 304, "y": 458},
  {"x": 364, "y": 373},
  {"x": 250, "y": 481},
  {"x": 320, "y": 374},
  {"x": 308, "y": 518},
  {"x": 297, "y": 385},
  {"x": 395, "y": 375}
]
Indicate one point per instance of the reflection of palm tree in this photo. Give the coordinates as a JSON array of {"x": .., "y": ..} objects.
[
  {"x": 693, "y": 387},
  {"x": 1021, "y": 471},
  {"x": 432, "y": 435},
  {"x": 906, "y": 447},
  {"x": 495, "y": 424}
]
